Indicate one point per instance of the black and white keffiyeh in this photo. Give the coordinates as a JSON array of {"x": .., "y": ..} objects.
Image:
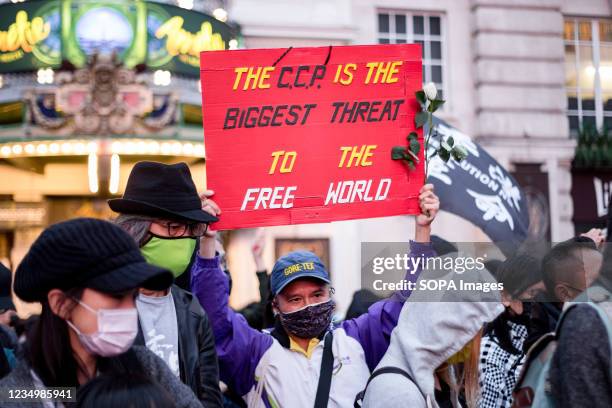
[{"x": 500, "y": 369}]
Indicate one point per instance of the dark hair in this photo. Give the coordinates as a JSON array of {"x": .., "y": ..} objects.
[
  {"x": 48, "y": 348},
  {"x": 442, "y": 246},
  {"x": 517, "y": 273},
  {"x": 562, "y": 260},
  {"x": 362, "y": 300},
  {"x": 50, "y": 354},
  {"x": 123, "y": 391},
  {"x": 493, "y": 266},
  {"x": 23, "y": 326}
]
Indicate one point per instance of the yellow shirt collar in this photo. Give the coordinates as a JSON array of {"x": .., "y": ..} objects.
[{"x": 293, "y": 346}]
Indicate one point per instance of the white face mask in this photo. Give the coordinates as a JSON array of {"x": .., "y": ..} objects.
[{"x": 117, "y": 329}]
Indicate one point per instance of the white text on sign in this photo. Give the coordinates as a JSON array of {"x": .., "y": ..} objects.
[{"x": 269, "y": 198}]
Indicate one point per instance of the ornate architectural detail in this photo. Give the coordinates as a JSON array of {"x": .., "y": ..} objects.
[{"x": 103, "y": 98}]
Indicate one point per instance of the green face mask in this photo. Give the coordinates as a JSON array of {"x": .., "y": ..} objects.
[{"x": 171, "y": 254}]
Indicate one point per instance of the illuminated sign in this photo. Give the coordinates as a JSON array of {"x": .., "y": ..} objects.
[
  {"x": 175, "y": 38},
  {"x": 22, "y": 36},
  {"x": 29, "y": 36},
  {"x": 185, "y": 44},
  {"x": 44, "y": 33}
]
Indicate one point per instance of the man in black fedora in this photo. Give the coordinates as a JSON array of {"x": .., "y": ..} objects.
[{"x": 162, "y": 211}]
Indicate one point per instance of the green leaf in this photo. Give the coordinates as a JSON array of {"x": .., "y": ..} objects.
[
  {"x": 412, "y": 136},
  {"x": 420, "y": 95},
  {"x": 397, "y": 152},
  {"x": 435, "y": 104},
  {"x": 420, "y": 119},
  {"x": 415, "y": 146},
  {"x": 444, "y": 155},
  {"x": 411, "y": 165},
  {"x": 450, "y": 141}
]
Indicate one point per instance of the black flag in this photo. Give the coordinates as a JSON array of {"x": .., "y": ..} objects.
[{"x": 480, "y": 190}]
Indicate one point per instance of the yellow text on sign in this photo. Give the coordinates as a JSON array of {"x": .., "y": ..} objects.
[
  {"x": 287, "y": 163},
  {"x": 383, "y": 72},
  {"x": 357, "y": 155},
  {"x": 344, "y": 73},
  {"x": 254, "y": 78}
]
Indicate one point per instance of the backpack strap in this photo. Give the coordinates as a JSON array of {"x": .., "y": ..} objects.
[
  {"x": 327, "y": 367},
  {"x": 376, "y": 373},
  {"x": 563, "y": 315}
]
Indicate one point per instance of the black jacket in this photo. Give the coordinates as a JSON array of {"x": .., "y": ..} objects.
[
  {"x": 137, "y": 359},
  {"x": 257, "y": 314},
  {"x": 542, "y": 320},
  {"x": 198, "y": 363}
]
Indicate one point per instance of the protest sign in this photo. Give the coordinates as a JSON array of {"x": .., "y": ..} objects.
[{"x": 304, "y": 135}]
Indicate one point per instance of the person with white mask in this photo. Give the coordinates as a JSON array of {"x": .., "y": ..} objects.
[{"x": 86, "y": 273}]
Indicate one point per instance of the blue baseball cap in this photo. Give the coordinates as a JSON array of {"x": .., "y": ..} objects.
[{"x": 296, "y": 265}]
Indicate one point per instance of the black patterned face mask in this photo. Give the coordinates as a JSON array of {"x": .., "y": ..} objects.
[{"x": 310, "y": 321}]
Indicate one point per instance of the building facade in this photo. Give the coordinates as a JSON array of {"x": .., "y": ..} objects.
[
  {"x": 513, "y": 79},
  {"x": 520, "y": 76},
  {"x": 87, "y": 89}
]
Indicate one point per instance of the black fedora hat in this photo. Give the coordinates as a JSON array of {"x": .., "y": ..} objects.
[{"x": 161, "y": 190}]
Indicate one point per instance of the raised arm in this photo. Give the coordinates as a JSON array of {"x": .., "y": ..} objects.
[
  {"x": 373, "y": 329},
  {"x": 255, "y": 312},
  {"x": 239, "y": 347}
]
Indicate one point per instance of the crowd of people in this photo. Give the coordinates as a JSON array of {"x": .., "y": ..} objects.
[{"x": 135, "y": 313}]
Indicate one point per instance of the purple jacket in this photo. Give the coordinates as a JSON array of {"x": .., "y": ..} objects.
[{"x": 359, "y": 344}]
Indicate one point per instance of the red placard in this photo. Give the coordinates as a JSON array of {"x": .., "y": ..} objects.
[{"x": 304, "y": 135}]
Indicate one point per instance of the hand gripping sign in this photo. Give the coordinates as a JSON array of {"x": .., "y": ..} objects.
[{"x": 304, "y": 135}]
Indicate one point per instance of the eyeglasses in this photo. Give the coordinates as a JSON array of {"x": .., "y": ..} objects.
[{"x": 179, "y": 230}]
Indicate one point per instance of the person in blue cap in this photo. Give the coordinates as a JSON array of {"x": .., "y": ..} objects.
[{"x": 305, "y": 359}]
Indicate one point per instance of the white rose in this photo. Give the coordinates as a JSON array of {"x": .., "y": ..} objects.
[
  {"x": 430, "y": 91},
  {"x": 460, "y": 152}
]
